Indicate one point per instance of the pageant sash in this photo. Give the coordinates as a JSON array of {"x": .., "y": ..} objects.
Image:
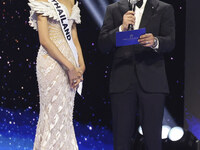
[
  {"x": 129, "y": 37},
  {"x": 67, "y": 33}
]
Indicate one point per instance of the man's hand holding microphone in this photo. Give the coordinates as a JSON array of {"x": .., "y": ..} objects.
[{"x": 129, "y": 19}]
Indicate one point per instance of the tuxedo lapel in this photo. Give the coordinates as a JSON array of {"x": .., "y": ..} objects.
[
  {"x": 123, "y": 6},
  {"x": 148, "y": 12}
]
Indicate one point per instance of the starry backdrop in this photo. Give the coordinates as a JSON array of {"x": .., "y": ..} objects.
[{"x": 19, "y": 97}]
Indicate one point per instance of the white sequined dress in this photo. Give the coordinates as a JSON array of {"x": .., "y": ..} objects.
[{"x": 55, "y": 130}]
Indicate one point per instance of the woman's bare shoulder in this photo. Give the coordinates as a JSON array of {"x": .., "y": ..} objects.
[{"x": 72, "y": 2}]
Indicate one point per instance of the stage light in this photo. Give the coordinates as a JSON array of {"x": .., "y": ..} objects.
[
  {"x": 180, "y": 139},
  {"x": 104, "y": 4},
  {"x": 165, "y": 131},
  {"x": 176, "y": 133},
  {"x": 93, "y": 8},
  {"x": 168, "y": 119},
  {"x": 140, "y": 130}
]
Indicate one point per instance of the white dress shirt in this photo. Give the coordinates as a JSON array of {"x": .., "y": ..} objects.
[{"x": 138, "y": 14}]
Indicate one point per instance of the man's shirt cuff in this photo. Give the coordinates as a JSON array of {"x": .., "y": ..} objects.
[
  {"x": 120, "y": 28},
  {"x": 156, "y": 46}
]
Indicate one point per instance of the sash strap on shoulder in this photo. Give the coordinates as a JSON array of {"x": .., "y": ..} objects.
[{"x": 67, "y": 32}]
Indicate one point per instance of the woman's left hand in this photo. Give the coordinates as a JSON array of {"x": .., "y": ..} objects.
[{"x": 81, "y": 70}]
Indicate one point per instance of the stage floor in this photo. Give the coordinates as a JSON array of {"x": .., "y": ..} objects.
[{"x": 17, "y": 131}]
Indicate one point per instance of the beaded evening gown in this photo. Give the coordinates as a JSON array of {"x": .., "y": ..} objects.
[{"x": 55, "y": 130}]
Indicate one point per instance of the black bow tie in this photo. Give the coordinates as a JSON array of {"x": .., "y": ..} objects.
[{"x": 139, "y": 3}]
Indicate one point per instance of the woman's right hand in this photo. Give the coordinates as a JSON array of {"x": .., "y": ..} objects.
[{"x": 74, "y": 77}]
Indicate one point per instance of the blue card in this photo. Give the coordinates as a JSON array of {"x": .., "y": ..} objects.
[{"x": 129, "y": 37}]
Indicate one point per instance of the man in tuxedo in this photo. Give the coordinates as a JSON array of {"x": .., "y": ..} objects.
[{"x": 138, "y": 78}]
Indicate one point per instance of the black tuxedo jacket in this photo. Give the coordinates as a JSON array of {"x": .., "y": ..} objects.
[{"x": 158, "y": 19}]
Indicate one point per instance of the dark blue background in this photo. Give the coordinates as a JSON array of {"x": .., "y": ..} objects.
[{"x": 18, "y": 84}]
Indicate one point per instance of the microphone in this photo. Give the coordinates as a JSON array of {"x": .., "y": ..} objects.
[{"x": 132, "y": 4}]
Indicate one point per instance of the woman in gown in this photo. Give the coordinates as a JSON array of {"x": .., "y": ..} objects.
[{"x": 58, "y": 74}]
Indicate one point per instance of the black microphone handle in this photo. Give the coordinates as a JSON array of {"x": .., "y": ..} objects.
[{"x": 130, "y": 26}]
